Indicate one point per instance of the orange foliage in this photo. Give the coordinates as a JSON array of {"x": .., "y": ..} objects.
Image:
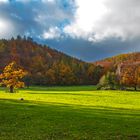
[
  {"x": 130, "y": 75},
  {"x": 11, "y": 76}
]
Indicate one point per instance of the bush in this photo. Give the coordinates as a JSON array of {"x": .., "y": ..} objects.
[{"x": 108, "y": 82}]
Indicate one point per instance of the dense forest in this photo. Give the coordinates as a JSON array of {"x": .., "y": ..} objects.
[
  {"x": 121, "y": 71},
  {"x": 47, "y": 66}
]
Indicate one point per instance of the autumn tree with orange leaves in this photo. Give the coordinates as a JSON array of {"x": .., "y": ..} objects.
[
  {"x": 130, "y": 76},
  {"x": 12, "y": 76}
]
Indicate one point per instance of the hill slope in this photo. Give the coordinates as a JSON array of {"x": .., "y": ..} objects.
[
  {"x": 45, "y": 65},
  {"x": 116, "y": 60}
]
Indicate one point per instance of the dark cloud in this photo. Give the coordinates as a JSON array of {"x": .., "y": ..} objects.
[
  {"x": 34, "y": 17},
  {"x": 90, "y": 52}
]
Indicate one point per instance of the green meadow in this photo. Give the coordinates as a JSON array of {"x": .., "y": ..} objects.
[{"x": 69, "y": 113}]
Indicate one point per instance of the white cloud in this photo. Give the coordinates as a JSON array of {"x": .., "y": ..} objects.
[
  {"x": 45, "y": 1},
  {"x": 4, "y": 1},
  {"x": 96, "y": 20},
  {"x": 24, "y": 1},
  {"x": 34, "y": 17},
  {"x": 6, "y": 28},
  {"x": 52, "y": 1},
  {"x": 53, "y": 32}
]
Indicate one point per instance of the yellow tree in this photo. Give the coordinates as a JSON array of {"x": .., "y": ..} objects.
[{"x": 11, "y": 76}]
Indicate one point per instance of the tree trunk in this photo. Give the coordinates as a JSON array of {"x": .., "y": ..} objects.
[
  {"x": 11, "y": 89},
  {"x": 135, "y": 88}
]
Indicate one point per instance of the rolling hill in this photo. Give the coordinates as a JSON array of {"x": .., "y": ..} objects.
[
  {"x": 47, "y": 66},
  {"x": 129, "y": 58}
]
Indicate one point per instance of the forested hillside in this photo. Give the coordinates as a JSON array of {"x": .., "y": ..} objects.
[
  {"x": 122, "y": 58},
  {"x": 121, "y": 71},
  {"x": 45, "y": 65}
]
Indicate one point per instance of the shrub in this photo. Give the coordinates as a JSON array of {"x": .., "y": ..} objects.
[{"x": 108, "y": 81}]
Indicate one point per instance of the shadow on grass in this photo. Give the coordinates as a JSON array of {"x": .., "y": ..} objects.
[
  {"x": 74, "y": 93},
  {"x": 32, "y": 120},
  {"x": 62, "y": 88}
]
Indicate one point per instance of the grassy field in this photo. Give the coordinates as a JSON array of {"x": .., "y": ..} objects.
[{"x": 69, "y": 113}]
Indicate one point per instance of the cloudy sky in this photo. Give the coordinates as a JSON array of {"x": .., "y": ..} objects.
[{"x": 87, "y": 29}]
